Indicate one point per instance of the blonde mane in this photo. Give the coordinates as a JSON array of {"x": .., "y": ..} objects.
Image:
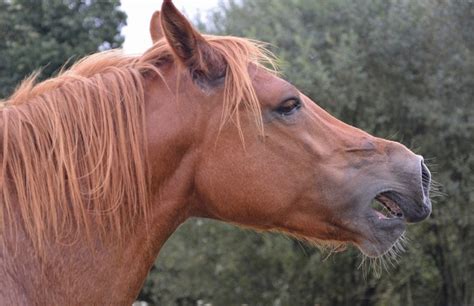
[{"x": 74, "y": 159}]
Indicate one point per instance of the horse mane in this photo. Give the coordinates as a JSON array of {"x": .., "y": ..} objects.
[{"x": 74, "y": 158}]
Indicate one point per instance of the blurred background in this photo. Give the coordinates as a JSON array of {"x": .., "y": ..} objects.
[{"x": 399, "y": 69}]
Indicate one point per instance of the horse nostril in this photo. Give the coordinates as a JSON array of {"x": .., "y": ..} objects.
[{"x": 425, "y": 179}]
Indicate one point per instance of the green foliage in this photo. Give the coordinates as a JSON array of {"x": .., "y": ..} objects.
[
  {"x": 46, "y": 34},
  {"x": 398, "y": 69}
]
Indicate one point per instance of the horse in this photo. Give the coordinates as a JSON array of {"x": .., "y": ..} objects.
[{"x": 101, "y": 164}]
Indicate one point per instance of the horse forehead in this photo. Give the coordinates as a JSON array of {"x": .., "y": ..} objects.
[{"x": 269, "y": 86}]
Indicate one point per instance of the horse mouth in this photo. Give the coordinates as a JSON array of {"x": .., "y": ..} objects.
[
  {"x": 389, "y": 212},
  {"x": 385, "y": 206},
  {"x": 390, "y": 205}
]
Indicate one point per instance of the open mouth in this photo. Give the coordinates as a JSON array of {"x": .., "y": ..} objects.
[
  {"x": 392, "y": 205},
  {"x": 386, "y": 207},
  {"x": 390, "y": 211}
]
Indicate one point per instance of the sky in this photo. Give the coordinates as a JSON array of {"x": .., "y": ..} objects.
[{"x": 137, "y": 36}]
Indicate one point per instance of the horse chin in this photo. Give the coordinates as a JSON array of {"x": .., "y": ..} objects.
[{"x": 382, "y": 237}]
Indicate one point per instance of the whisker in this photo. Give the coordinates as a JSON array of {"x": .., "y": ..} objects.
[{"x": 385, "y": 262}]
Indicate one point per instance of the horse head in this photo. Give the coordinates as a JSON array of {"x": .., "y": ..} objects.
[{"x": 255, "y": 151}]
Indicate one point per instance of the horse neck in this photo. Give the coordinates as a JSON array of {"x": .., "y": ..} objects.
[
  {"x": 78, "y": 274},
  {"x": 107, "y": 273}
]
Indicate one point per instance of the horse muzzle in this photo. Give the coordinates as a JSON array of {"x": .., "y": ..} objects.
[{"x": 412, "y": 202}]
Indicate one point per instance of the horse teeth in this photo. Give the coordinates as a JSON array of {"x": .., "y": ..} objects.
[{"x": 387, "y": 207}]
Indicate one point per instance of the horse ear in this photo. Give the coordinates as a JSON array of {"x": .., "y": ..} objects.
[
  {"x": 190, "y": 47},
  {"x": 156, "y": 31}
]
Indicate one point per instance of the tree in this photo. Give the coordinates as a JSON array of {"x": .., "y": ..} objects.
[{"x": 46, "y": 34}]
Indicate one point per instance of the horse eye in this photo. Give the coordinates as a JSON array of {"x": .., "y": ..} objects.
[{"x": 289, "y": 107}]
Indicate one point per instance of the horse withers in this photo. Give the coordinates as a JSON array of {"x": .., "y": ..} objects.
[{"x": 103, "y": 162}]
